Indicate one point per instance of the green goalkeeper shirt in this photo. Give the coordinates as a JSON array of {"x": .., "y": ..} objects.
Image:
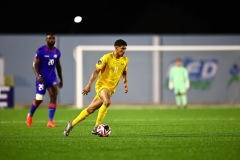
[{"x": 178, "y": 76}]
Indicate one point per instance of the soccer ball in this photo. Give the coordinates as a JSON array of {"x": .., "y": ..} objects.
[{"x": 103, "y": 130}]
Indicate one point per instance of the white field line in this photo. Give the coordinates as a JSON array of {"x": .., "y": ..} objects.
[{"x": 127, "y": 120}]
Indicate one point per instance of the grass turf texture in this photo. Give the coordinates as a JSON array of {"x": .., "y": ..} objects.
[{"x": 137, "y": 134}]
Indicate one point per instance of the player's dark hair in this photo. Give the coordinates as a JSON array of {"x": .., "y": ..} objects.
[
  {"x": 50, "y": 33},
  {"x": 179, "y": 59},
  {"x": 120, "y": 42}
]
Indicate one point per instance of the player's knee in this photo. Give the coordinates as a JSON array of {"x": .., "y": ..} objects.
[
  {"x": 53, "y": 99},
  {"x": 107, "y": 103},
  {"x": 39, "y": 97},
  {"x": 38, "y": 102}
]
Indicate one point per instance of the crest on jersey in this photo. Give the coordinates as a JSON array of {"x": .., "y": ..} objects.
[
  {"x": 99, "y": 62},
  {"x": 55, "y": 56}
]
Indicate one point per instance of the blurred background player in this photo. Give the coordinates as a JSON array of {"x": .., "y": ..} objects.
[
  {"x": 179, "y": 83},
  {"x": 46, "y": 62},
  {"x": 110, "y": 68}
]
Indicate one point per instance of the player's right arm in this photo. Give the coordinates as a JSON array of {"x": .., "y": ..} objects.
[
  {"x": 99, "y": 66},
  {"x": 170, "y": 83},
  {"x": 59, "y": 71},
  {"x": 92, "y": 78},
  {"x": 36, "y": 62}
]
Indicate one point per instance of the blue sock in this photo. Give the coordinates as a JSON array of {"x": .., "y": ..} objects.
[
  {"x": 52, "y": 109},
  {"x": 33, "y": 108}
]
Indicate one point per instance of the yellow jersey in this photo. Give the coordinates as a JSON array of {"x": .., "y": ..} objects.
[{"x": 111, "y": 70}]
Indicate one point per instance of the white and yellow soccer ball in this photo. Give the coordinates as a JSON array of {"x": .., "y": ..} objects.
[{"x": 103, "y": 130}]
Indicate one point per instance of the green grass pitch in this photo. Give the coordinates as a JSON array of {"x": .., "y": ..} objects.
[{"x": 150, "y": 133}]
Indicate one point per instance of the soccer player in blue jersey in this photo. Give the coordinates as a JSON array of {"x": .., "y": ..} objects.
[{"x": 45, "y": 63}]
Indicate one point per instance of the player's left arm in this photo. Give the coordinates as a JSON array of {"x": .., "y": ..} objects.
[
  {"x": 125, "y": 82},
  {"x": 59, "y": 72},
  {"x": 36, "y": 62},
  {"x": 187, "y": 82}
]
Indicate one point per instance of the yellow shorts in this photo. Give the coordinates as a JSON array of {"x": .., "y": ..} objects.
[{"x": 98, "y": 89}]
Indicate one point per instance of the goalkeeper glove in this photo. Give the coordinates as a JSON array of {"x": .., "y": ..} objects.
[
  {"x": 187, "y": 85},
  {"x": 170, "y": 85}
]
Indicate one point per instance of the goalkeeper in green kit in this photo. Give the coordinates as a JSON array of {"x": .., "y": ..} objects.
[{"x": 179, "y": 83}]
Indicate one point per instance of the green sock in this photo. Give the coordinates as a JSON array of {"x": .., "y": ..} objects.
[
  {"x": 178, "y": 100},
  {"x": 184, "y": 100}
]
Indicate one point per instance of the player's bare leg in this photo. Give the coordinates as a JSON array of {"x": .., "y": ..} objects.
[
  {"x": 93, "y": 106},
  {"x": 33, "y": 108},
  {"x": 52, "y": 105},
  {"x": 105, "y": 96}
]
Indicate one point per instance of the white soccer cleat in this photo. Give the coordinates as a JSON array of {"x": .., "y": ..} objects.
[
  {"x": 68, "y": 129},
  {"x": 94, "y": 131}
]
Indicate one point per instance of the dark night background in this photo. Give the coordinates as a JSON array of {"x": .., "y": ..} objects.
[{"x": 120, "y": 17}]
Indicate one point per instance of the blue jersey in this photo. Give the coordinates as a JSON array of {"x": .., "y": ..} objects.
[{"x": 48, "y": 60}]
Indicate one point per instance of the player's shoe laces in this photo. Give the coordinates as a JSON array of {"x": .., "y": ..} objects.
[
  {"x": 94, "y": 131},
  {"x": 68, "y": 129},
  {"x": 51, "y": 124},
  {"x": 29, "y": 120}
]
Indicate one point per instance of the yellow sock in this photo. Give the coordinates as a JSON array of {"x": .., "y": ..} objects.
[
  {"x": 101, "y": 114},
  {"x": 83, "y": 115}
]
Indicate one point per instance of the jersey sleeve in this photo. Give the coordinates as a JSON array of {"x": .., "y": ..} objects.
[
  {"x": 38, "y": 53},
  {"x": 171, "y": 75},
  {"x": 126, "y": 67},
  {"x": 59, "y": 53},
  {"x": 101, "y": 62},
  {"x": 186, "y": 77},
  {"x": 170, "y": 82}
]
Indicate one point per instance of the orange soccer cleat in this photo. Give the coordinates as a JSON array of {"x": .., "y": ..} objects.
[
  {"x": 29, "y": 120},
  {"x": 51, "y": 124}
]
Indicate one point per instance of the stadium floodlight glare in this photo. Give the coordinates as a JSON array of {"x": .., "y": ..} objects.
[
  {"x": 77, "y": 19},
  {"x": 79, "y": 51}
]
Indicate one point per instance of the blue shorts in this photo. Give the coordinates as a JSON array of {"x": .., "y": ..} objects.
[{"x": 42, "y": 87}]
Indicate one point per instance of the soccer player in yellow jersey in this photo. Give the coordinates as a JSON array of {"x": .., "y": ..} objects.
[{"x": 110, "y": 68}]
